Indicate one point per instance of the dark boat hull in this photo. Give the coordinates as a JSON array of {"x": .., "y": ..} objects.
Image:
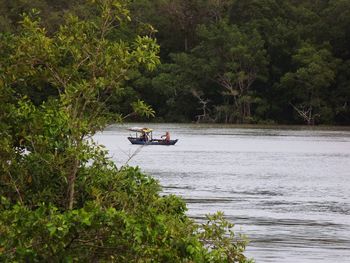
[{"x": 151, "y": 142}]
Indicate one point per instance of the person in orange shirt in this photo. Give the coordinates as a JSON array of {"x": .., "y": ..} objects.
[{"x": 166, "y": 136}]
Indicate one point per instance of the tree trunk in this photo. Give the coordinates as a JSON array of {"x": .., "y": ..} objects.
[
  {"x": 71, "y": 184},
  {"x": 186, "y": 43},
  {"x": 246, "y": 114}
]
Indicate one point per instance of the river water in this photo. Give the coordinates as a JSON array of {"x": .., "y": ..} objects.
[{"x": 288, "y": 190}]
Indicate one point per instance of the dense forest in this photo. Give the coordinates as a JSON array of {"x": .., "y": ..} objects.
[{"x": 228, "y": 61}]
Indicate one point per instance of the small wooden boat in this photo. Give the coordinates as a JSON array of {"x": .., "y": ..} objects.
[
  {"x": 134, "y": 140},
  {"x": 144, "y": 136}
]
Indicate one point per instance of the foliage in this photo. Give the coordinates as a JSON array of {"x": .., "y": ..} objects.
[
  {"x": 61, "y": 197},
  {"x": 279, "y": 30},
  {"x": 128, "y": 223},
  {"x": 234, "y": 60},
  {"x": 214, "y": 234},
  {"x": 315, "y": 72},
  {"x": 86, "y": 68}
]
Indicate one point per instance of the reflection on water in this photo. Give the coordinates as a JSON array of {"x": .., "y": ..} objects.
[{"x": 288, "y": 190}]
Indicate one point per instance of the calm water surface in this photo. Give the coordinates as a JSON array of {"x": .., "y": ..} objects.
[{"x": 288, "y": 190}]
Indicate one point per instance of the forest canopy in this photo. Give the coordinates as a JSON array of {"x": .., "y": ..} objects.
[{"x": 229, "y": 61}]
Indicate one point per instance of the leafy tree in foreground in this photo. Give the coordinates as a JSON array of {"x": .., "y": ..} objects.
[{"x": 62, "y": 199}]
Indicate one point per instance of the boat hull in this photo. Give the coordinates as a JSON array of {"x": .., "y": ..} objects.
[{"x": 139, "y": 141}]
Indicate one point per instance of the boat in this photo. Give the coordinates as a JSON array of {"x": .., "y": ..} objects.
[{"x": 144, "y": 136}]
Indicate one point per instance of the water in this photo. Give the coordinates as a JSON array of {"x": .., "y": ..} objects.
[{"x": 287, "y": 190}]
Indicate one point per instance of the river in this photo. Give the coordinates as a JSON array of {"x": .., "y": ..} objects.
[{"x": 288, "y": 190}]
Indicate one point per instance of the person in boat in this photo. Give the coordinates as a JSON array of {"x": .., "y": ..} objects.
[
  {"x": 144, "y": 136},
  {"x": 166, "y": 137}
]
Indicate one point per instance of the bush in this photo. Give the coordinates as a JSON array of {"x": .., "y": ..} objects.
[{"x": 123, "y": 219}]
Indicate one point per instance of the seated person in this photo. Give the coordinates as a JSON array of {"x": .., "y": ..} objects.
[
  {"x": 144, "y": 137},
  {"x": 166, "y": 137}
]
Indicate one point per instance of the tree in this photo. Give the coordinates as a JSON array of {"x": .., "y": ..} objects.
[
  {"x": 84, "y": 66},
  {"x": 315, "y": 72},
  {"x": 340, "y": 97},
  {"x": 175, "y": 84},
  {"x": 234, "y": 59},
  {"x": 334, "y": 27},
  {"x": 61, "y": 198},
  {"x": 52, "y": 12}
]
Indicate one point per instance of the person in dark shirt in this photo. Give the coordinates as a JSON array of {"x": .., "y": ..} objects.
[{"x": 144, "y": 136}]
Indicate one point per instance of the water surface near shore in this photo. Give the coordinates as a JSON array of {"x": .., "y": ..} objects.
[{"x": 287, "y": 189}]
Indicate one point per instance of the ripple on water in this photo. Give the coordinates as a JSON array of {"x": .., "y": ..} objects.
[{"x": 287, "y": 189}]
